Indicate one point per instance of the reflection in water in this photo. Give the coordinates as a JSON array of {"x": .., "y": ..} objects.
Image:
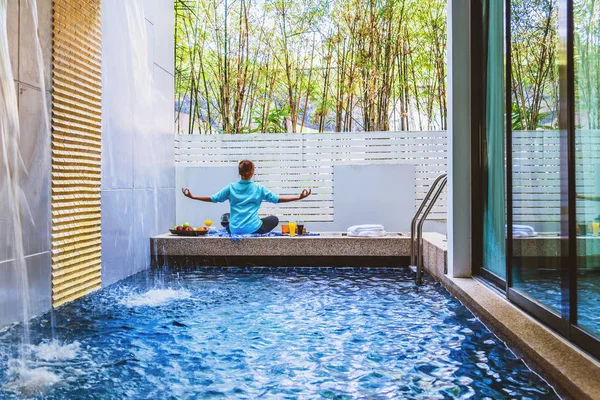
[
  {"x": 546, "y": 289},
  {"x": 540, "y": 282}
]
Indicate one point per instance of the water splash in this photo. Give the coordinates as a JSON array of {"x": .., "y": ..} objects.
[
  {"x": 53, "y": 350},
  {"x": 40, "y": 372},
  {"x": 28, "y": 381},
  {"x": 155, "y": 297}
]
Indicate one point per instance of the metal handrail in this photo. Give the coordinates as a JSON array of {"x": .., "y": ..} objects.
[
  {"x": 413, "y": 225},
  {"x": 420, "y": 230}
]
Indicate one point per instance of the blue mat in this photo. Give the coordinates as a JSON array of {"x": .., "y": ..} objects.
[{"x": 235, "y": 236}]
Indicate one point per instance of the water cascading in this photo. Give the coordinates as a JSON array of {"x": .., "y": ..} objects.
[
  {"x": 134, "y": 111},
  {"x": 10, "y": 173},
  {"x": 131, "y": 112},
  {"x": 13, "y": 171}
]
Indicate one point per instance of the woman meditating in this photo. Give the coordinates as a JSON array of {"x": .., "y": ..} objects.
[{"x": 245, "y": 198}]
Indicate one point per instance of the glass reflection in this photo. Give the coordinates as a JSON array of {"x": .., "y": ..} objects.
[
  {"x": 536, "y": 152},
  {"x": 587, "y": 142},
  {"x": 494, "y": 219}
]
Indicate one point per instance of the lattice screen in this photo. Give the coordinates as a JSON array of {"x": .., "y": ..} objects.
[
  {"x": 76, "y": 149},
  {"x": 288, "y": 163}
]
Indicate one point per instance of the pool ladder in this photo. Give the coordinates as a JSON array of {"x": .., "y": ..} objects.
[{"x": 416, "y": 247}]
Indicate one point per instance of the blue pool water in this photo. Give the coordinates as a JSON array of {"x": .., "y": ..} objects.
[
  {"x": 226, "y": 333},
  {"x": 546, "y": 289}
]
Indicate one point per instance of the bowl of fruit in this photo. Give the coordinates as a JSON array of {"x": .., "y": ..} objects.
[
  {"x": 187, "y": 230},
  {"x": 200, "y": 231}
]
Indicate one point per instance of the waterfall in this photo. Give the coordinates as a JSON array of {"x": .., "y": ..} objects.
[
  {"x": 10, "y": 172},
  {"x": 130, "y": 111},
  {"x": 12, "y": 168}
]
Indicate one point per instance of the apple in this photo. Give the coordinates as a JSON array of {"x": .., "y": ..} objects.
[
  {"x": 179, "y": 228},
  {"x": 186, "y": 225},
  {"x": 187, "y": 228}
]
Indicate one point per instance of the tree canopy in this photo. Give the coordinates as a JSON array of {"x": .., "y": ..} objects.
[
  {"x": 313, "y": 65},
  {"x": 355, "y": 65}
]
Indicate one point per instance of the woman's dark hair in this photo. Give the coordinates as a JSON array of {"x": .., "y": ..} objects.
[{"x": 245, "y": 167}]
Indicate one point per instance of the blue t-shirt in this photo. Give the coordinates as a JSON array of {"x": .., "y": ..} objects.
[{"x": 244, "y": 198}]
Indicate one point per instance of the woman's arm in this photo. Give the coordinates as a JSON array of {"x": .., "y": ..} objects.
[
  {"x": 186, "y": 192},
  {"x": 305, "y": 193},
  {"x": 588, "y": 197}
]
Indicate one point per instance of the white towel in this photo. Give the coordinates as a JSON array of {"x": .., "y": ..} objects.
[
  {"x": 366, "y": 230},
  {"x": 523, "y": 231},
  {"x": 367, "y": 234},
  {"x": 523, "y": 228}
]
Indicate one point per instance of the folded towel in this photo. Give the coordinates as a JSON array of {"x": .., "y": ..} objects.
[
  {"x": 366, "y": 228},
  {"x": 522, "y": 231},
  {"x": 523, "y": 228},
  {"x": 376, "y": 233}
]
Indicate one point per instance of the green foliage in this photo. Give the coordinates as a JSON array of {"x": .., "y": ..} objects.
[
  {"x": 587, "y": 63},
  {"x": 350, "y": 65},
  {"x": 280, "y": 65},
  {"x": 534, "y": 58},
  {"x": 276, "y": 122}
]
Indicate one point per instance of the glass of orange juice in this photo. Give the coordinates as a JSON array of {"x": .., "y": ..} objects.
[
  {"x": 292, "y": 225},
  {"x": 207, "y": 222}
]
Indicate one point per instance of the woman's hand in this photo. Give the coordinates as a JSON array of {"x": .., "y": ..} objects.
[
  {"x": 186, "y": 192},
  {"x": 305, "y": 193},
  {"x": 588, "y": 197}
]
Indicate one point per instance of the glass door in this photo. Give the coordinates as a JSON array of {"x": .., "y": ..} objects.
[
  {"x": 586, "y": 19},
  {"x": 538, "y": 124},
  {"x": 538, "y": 155},
  {"x": 493, "y": 144}
]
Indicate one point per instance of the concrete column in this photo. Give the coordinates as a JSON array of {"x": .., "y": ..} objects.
[{"x": 459, "y": 139}]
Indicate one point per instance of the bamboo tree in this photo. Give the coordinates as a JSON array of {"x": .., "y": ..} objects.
[{"x": 369, "y": 64}]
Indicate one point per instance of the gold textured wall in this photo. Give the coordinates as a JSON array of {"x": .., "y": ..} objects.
[{"x": 76, "y": 148}]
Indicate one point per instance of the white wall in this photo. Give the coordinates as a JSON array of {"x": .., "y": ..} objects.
[
  {"x": 382, "y": 194},
  {"x": 138, "y": 174}
]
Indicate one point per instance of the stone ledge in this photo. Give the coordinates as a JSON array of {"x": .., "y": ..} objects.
[
  {"x": 435, "y": 254},
  {"x": 571, "y": 371},
  {"x": 549, "y": 246},
  {"x": 325, "y": 245}
]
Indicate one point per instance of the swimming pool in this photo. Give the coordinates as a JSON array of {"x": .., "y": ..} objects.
[{"x": 271, "y": 333}]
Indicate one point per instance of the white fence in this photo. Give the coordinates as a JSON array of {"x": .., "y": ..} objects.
[
  {"x": 537, "y": 181},
  {"x": 287, "y": 163}
]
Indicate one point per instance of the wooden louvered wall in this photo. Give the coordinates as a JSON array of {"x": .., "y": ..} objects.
[{"x": 76, "y": 149}]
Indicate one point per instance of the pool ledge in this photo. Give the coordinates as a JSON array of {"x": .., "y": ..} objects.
[
  {"x": 327, "y": 249},
  {"x": 572, "y": 372}
]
